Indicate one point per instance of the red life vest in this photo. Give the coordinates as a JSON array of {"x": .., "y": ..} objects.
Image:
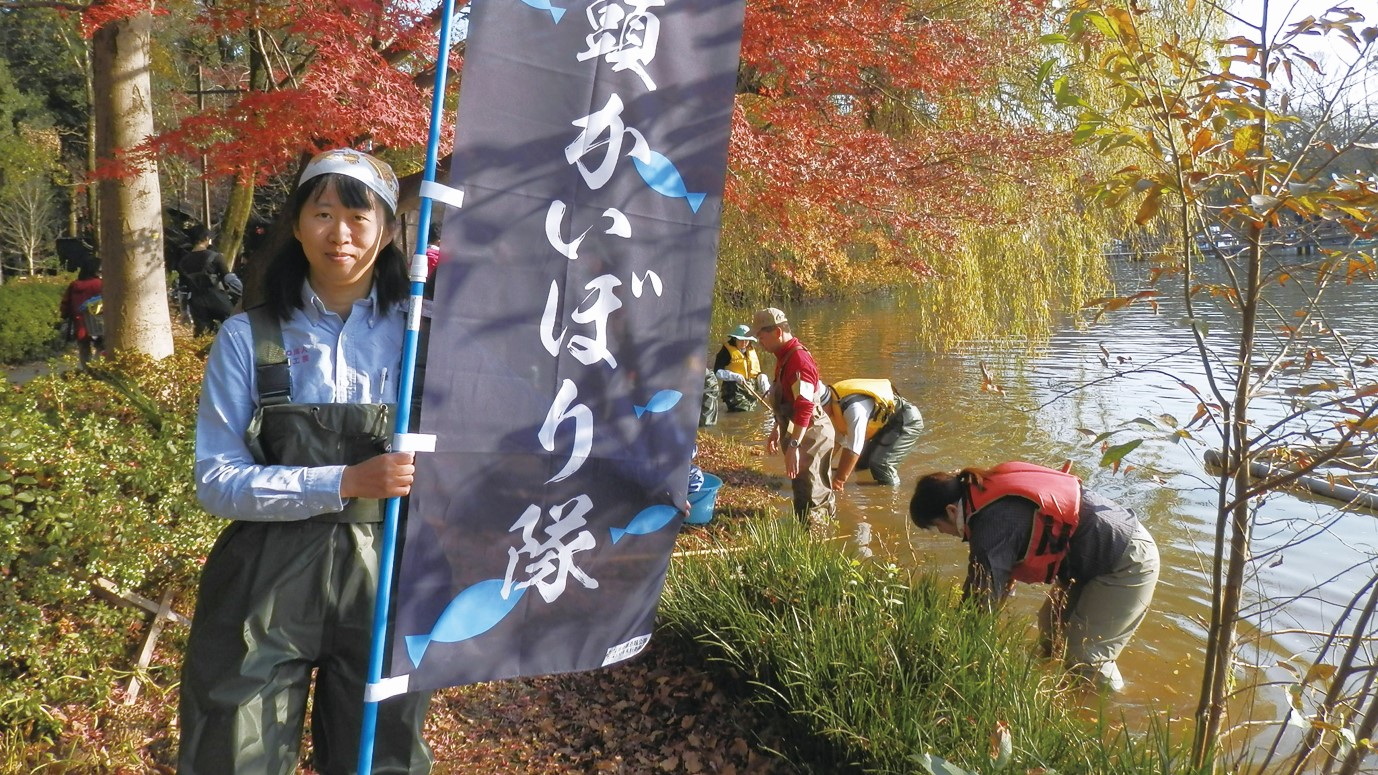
[{"x": 1058, "y": 497}]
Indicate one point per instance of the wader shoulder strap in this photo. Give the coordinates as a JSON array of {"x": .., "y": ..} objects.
[{"x": 270, "y": 358}]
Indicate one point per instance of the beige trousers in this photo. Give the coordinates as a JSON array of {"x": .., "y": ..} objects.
[{"x": 1102, "y": 614}]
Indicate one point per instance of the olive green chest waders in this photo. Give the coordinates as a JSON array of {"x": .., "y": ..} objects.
[
  {"x": 815, "y": 504},
  {"x": 279, "y": 600}
]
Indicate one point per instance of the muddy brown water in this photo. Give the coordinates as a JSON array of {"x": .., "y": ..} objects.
[{"x": 1065, "y": 385}]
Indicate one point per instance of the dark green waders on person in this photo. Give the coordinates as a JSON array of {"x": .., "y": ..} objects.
[
  {"x": 882, "y": 454},
  {"x": 279, "y": 600},
  {"x": 712, "y": 399}
]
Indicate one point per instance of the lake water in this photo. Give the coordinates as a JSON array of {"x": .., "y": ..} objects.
[{"x": 1102, "y": 377}]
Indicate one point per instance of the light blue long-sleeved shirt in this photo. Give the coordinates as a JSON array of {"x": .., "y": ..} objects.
[{"x": 330, "y": 361}]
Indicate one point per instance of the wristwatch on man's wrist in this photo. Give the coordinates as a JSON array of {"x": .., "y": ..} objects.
[{"x": 792, "y": 443}]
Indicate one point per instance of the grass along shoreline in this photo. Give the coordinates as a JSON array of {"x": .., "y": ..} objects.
[{"x": 880, "y": 669}]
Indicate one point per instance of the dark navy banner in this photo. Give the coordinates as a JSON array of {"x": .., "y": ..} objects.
[{"x": 566, "y": 355}]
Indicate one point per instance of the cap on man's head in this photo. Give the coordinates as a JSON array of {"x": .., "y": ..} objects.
[
  {"x": 766, "y": 318},
  {"x": 742, "y": 332},
  {"x": 375, "y": 174}
]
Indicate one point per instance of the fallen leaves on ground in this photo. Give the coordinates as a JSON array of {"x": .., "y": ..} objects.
[{"x": 656, "y": 714}]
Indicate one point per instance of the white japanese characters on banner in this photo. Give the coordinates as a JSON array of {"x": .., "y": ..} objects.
[{"x": 568, "y": 335}]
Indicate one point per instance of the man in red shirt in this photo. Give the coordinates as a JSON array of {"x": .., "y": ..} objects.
[{"x": 800, "y": 429}]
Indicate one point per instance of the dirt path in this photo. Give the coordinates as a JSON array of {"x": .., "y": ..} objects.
[
  {"x": 19, "y": 373},
  {"x": 23, "y": 372}
]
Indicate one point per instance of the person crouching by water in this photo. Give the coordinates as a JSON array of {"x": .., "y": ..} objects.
[
  {"x": 291, "y": 439},
  {"x": 1041, "y": 526},
  {"x": 876, "y": 428},
  {"x": 739, "y": 368}
]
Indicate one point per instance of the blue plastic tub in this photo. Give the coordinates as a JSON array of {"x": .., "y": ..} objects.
[{"x": 701, "y": 502}]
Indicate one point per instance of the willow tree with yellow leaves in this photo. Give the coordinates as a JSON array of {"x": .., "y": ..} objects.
[{"x": 1238, "y": 164}]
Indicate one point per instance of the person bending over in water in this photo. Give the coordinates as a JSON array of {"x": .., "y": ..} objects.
[{"x": 1038, "y": 525}]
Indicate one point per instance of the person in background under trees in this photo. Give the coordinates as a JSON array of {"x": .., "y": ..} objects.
[
  {"x": 202, "y": 271},
  {"x": 87, "y": 286},
  {"x": 292, "y": 430}
]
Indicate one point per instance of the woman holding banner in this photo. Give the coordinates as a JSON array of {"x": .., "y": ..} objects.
[{"x": 294, "y": 420}]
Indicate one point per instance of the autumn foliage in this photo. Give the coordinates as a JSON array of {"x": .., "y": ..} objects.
[
  {"x": 878, "y": 123},
  {"x": 307, "y": 76},
  {"x": 874, "y": 121}
]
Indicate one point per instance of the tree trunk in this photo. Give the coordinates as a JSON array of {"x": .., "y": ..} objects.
[
  {"x": 92, "y": 196},
  {"x": 236, "y": 220},
  {"x": 131, "y": 223},
  {"x": 241, "y": 204}
]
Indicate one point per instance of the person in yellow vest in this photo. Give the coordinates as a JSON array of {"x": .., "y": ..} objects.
[
  {"x": 739, "y": 368},
  {"x": 875, "y": 428},
  {"x": 1040, "y": 525}
]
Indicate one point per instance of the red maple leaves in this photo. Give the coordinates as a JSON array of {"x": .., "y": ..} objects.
[
  {"x": 873, "y": 120},
  {"x": 329, "y": 74},
  {"x": 864, "y": 117}
]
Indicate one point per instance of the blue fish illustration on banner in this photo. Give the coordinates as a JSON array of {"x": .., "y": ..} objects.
[
  {"x": 648, "y": 521},
  {"x": 662, "y": 401},
  {"x": 660, "y": 174},
  {"x": 568, "y": 337},
  {"x": 544, "y": 5},
  {"x": 472, "y": 613}
]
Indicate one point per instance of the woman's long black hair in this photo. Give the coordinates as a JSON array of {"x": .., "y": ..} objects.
[
  {"x": 279, "y": 269},
  {"x": 935, "y": 491}
]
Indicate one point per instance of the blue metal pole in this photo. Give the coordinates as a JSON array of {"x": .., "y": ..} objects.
[{"x": 417, "y": 274}]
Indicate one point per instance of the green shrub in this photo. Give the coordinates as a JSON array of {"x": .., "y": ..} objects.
[
  {"x": 30, "y": 323},
  {"x": 95, "y": 481},
  {"x": 879, "y": 669}
]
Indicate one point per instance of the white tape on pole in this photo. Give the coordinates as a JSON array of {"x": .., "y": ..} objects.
[
  {"x": 385, "y": 688},
  {"x": 438, "y": 192},
  {"x": 413, "y": 442}
]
